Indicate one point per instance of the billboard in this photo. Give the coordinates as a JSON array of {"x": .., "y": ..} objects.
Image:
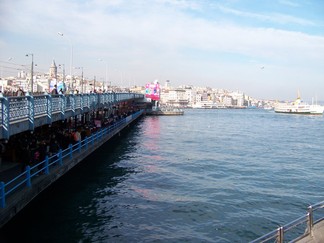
[
  {"x": 60, "y": 85},
  {"x": 152, "y": 91}
]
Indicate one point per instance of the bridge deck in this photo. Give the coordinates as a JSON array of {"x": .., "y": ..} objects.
[{"x": 23, "y": 113}]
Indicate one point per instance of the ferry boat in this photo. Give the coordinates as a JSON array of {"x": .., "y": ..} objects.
[
  {"x": 165, "y": 111},
  {"x": 299, "y": 107}
]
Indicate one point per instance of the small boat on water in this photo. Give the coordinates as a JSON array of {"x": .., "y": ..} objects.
[
  {"x": 268, "y": 108},
  {"x": 299, "y": 107}
]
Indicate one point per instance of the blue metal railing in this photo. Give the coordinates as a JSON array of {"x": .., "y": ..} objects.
[
  {"x": 307, "y": 220},
  {"x": 25, "y": 109},
  {"x": 44, "y": 167}
]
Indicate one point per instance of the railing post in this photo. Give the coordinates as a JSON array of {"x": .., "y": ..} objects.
[
  {"x": 70, "y": 148},
  {"x": 46, "y": 165},
  {"x": 5, "y": 109},
  {"x": 60, "y": 157},
  {"x": 62, "y": 106},
  {"x": 86, "y": 140},
  {"x": 28, "y": 176},
  {"x": 280, "y": 236},
  {"x": 31, "y": 113},
  {"x": 2, "y": 194},
  {"x": 79, "y": 146},
  {"x": 310, "y": 220},
  {"x": 49, "y": 109}
]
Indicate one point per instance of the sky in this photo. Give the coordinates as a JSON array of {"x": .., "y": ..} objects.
[{"x": 268, "y": 49}]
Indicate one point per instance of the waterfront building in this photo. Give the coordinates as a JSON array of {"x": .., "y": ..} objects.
[
  {"x": 238, "y": 99},
  {"x": 21, "y": 74},
  {"x": 204, "y": 97},
  {"x": 174, "y": 97},
  {"x": 190, "y": 96},
  {"x": 137, "y": 89},
  {"x": 227, "y": 100},
  {"x": 198, "y": 97}
]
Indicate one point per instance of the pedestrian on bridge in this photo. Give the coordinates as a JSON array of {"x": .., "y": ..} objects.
[{"x": 54, "y": 91}]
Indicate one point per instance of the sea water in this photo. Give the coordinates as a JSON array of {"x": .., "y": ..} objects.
[{"x": 206, "y": 176}]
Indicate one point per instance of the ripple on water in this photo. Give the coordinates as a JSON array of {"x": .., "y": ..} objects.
[{"x": 207, "y": 176}]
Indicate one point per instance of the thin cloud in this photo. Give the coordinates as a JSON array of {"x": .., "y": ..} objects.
[
  {"x": 289, "y": 3},
  {"x": 182, "y": 4},
  {"x": 274, "y": 17}
]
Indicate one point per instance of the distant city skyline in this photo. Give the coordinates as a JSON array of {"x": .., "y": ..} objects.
[{"x": 268, "y": 49}]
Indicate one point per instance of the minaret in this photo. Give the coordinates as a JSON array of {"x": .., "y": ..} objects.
[
  {"x": 53, "y": 70},
  {"x": 167, "y": 84}
]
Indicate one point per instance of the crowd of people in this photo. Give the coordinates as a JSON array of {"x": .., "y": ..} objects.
[
  {"x": 31, "y": 147},
  {"x": 8, "y": 92}
]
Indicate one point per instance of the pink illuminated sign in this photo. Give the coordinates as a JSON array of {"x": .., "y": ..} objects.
[{"x": 152, "y": 91}]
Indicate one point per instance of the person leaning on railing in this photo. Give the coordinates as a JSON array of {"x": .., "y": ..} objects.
[
  {"x": 77, "y": 136},
  {"x": 20, "y": 92}
]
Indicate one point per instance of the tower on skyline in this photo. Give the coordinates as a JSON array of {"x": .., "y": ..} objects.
[{"x": 53, "y": 71}]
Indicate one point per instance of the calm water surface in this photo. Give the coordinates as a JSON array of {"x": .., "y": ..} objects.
[{"x": 207, "y": 176}]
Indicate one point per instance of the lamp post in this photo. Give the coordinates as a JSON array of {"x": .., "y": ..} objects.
[
  {"x": 31, "y": 72},
  {"x": 106, "y": 70},
  {"x": 81, "y": 78},
  {"x": 71, "y": 55},
  {"x": 94, "y": 84},
  {"x": 121, "y": 79}
]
